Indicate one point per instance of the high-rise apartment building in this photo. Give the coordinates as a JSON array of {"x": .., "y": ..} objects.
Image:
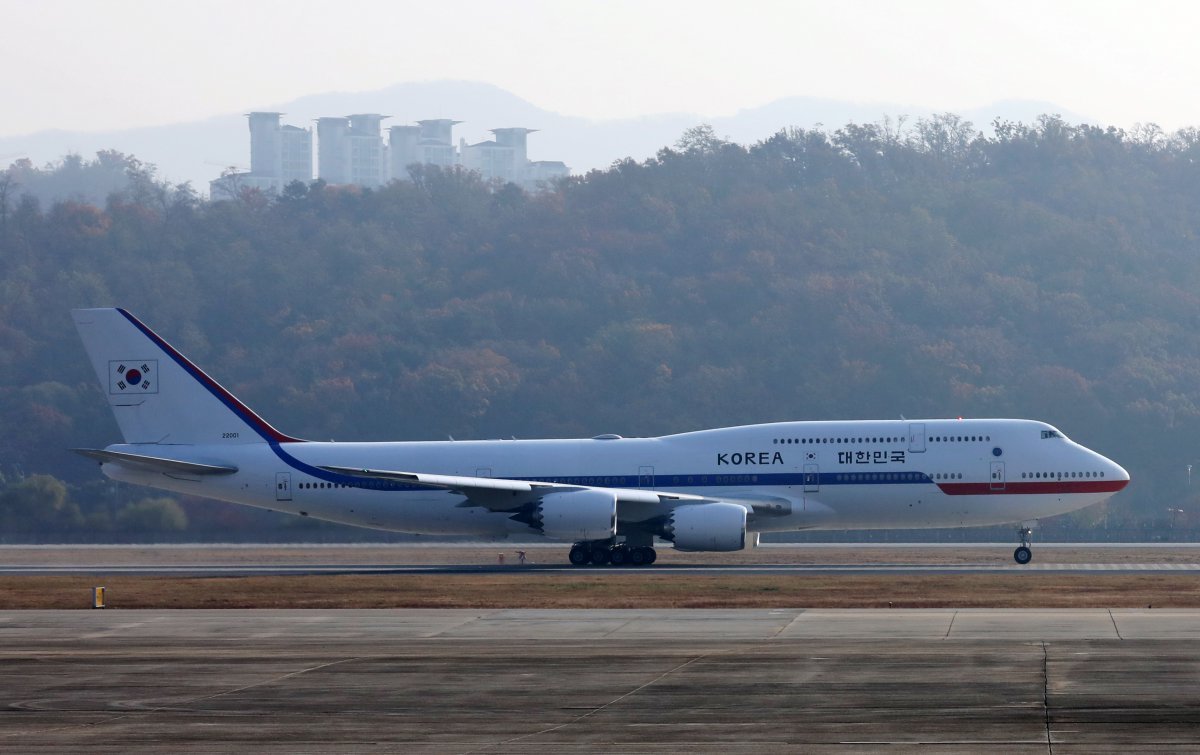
[
  {"x": 333, "y": 153},
  {"x": 279, "y": 154},
  {"x": 506, "y": 159},
  {"x": 295, "y": 154},
  {"x": 351, "y": 150}
]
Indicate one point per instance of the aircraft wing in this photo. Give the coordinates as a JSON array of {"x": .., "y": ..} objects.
[
  {"x": 154, "y": 463},
  {"x": 508, "y": 495}
]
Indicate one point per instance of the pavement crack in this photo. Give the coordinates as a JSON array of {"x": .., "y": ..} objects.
[
  {"x": 949, "y": 628},
  {"x": 1116, "y": 629},
  {"x": 483, "y": 615},
  {"x": 318, "y": 667},
  {"x": 192, "y": 701},
  {"x": 1046, "y": 696},
  {"x": 788, "y": 625},
  {"x": 610, "y": 703},
  {"x": 619, "y": 628}
]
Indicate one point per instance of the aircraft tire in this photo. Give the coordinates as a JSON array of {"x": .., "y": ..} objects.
[
  {"x": 620, "y": 556},
  {"x": 653, "y": 556},
  {"x": 580, "y": 555},
  {"x": 638, "y": 557},
  {"x": 1023, "y": 555},
  {"x": 601, "y": 556}
]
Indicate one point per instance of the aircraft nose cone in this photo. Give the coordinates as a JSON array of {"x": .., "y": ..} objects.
[{"x": 1118, "y": 473}]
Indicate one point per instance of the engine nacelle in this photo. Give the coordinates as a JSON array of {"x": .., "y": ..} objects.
[
  {"x": 707, "y": 527},
  {"x": 578, "y": 515}
]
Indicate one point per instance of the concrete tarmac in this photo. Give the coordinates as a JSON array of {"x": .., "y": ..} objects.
[
  {"x": 263, "y": 570},
  {"x": 467, "y": 681}
]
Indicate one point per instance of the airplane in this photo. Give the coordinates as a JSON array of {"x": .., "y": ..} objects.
[{"x": 611, "y": 497}]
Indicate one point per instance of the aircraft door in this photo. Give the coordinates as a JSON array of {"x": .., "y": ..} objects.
[
  {"x": 812, "y": 478},
  {"x": 916, "y": 438},
  {"x": 645, "y": 477},
  {"x": 997, "y": 481},
  {"x": 283, "y": 486}
]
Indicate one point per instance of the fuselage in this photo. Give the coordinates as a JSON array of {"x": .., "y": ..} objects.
[{"x": 790, "y": 475}]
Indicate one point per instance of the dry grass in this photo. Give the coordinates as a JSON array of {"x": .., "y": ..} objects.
[{"x": 632, "y": 590}]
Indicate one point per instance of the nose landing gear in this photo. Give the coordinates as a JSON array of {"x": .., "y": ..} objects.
[{"x": 1023, "y": 554}]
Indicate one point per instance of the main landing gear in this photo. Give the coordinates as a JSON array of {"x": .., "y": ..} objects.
[
  {"x": 603, "y": 552},
  {"x": 1023, "y": 555}
]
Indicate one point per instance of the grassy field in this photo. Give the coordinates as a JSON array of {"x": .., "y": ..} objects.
[
  {"x": 632, "y": 589},
  {"x": 475, "y": 553}
]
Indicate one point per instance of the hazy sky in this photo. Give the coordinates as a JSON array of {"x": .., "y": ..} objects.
[{"x": 106, "y": 64}]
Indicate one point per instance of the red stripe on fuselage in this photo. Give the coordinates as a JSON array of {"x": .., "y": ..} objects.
[{"x": 1039, "y": 487}]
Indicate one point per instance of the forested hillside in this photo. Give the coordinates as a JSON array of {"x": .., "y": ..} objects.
[{"x": 1049, "y": 271}]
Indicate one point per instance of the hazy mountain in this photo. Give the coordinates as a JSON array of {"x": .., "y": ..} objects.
[{"x": 198, "y": 151}]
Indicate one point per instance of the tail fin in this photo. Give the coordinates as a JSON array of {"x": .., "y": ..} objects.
[{"x": 157, "y": 395}]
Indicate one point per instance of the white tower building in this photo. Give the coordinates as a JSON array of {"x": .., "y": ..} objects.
[
  {"x": 366, "y": 149},
  {"x": 278, "y": 155},
  {"x": 333, "y": 158}
]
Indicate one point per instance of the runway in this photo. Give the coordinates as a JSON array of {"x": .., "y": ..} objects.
[
  {"x": 508, "y": 681},
  {"x": 533, "y": 569}
]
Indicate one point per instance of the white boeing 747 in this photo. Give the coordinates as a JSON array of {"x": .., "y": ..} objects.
[{"x": 711, "y": 490}]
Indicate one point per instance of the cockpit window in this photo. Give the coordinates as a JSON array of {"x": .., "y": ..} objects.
[{"x": 1051, "y": 434}]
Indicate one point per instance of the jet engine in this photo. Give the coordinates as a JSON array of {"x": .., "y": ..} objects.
[
  {"x": 707, "y": 527},
  {"x": 578, "y": 515}
]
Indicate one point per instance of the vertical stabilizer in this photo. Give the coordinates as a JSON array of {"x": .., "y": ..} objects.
[{"x": 156, "y": 394}]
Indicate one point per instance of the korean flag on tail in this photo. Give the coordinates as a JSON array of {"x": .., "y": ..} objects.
[{"x": 133, "y": 376}]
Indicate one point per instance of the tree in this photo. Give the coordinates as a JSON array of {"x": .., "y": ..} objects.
[
  {"x": 8, "y": 188},
  {"x": 39, "y": 505},
  {"x": 701, "y": 139},
  {"x": 151, "y": 516}
]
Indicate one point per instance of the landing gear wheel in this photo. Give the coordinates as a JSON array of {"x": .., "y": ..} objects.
[
  {"x": 639, "y": 556},
  {"x": 653, "y": 556},
  {"x": 1023, "y": 555},
  {"x": 619, "y": 555},
  {"x": 601, "y": 555},
  {"x": 580, "y": 555}
]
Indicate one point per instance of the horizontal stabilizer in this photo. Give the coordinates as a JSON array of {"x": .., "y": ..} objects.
[{"x": 155, "y": 463}]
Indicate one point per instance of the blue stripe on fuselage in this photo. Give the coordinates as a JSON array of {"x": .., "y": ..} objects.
[{"x": 657, "y": 482}]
